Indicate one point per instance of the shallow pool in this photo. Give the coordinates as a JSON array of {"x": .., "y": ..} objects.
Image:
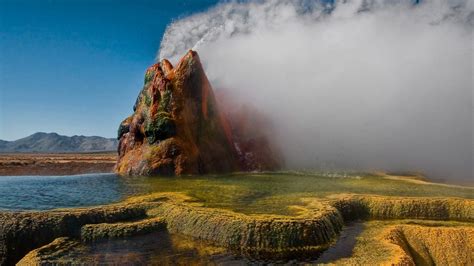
[
  {"x": 246, "y": 193},
  {"x": 48, "y": 192}
]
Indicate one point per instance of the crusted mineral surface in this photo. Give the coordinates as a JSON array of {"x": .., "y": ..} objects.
[
  {"x": 51, "y": 253},
  {"x": 176, "y": 127},
  {"x": 380, "y": 207},
  {"x": 312, "y": 229},
  {"x": 20, "y": 232},
  {"x": 412, "y": 242},
  {"x": 91, "y": 232},
  {"x": 421, "y": 245}
]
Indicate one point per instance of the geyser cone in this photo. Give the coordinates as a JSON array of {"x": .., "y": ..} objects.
[{"x": 176, "y": 127}]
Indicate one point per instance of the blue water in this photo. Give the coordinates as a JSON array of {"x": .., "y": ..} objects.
[{"x": 48, "y": 192}]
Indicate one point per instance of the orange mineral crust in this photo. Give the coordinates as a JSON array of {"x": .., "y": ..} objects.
[{"x": 178, "y": 128}]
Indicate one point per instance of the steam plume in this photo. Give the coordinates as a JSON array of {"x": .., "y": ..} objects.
[{"x": 348, "y": 85}]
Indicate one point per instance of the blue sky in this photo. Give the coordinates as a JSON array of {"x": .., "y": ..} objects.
[{"x": 75, "y": 67}]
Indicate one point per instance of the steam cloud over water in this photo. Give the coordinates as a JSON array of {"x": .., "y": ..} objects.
[{"x": 350, "y": 85}]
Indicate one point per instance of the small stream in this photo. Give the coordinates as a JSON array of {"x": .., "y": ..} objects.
[{"x": 344, "y": 244}]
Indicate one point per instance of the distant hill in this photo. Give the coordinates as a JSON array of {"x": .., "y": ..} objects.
[{"x": 53, "y": 142}]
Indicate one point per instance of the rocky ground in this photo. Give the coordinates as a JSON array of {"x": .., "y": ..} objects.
[{"x": 56, "y": 163}]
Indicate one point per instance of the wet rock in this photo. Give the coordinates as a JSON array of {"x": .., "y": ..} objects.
[
  {"x": 50, "y": 253},
  {"x": 176, "y": 127},
  {"x": 434, "y": 246},
  {"x": 93, "y": 232},
  {"x": 21, "y": 232},
  {"x": 179, "y": 127},
  {"x": 261, "y": 236},
  {"x": 313, "y": 228},
  {"x": 411, "y": 242},
  {"x": 159, "y": 248},
  {"x": 354, "y": 207}
]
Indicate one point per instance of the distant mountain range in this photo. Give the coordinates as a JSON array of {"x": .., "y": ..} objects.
[{"x": 53, "y": 142}]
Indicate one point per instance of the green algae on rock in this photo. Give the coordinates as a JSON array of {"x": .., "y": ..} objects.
[
  {"x": 51, "y": 253},
  {"x": 434, "y": 245},
  {"x": 176, "y": 127},
  {"x": 159, "y": 248},
  {"x": 21, "y": 232},
  {"x": 394, "y": 242},
  {"x": 313, "y": 225},
  {"x": 272, "y": 193},
  {"x": 92, "y": 232},
  {"x": 269, "y": 236},
  {"x": 381, "y": 207},
  {"x": 412, "y": 242}
]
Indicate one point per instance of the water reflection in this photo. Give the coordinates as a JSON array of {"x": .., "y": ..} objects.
[
  {"x": 344, "y": 244},
  {"x": 158, "y": 248},
  {"x": 162, "y": 248}
]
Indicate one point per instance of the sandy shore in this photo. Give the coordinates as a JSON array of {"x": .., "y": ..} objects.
[{"x": 57, "y": 163}]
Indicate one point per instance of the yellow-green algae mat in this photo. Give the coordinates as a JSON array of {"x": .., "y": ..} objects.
[
  {"x": 273, "y": 192},
  {"x": 312, "y": 226}
]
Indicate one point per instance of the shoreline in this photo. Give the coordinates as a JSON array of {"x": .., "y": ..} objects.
[
  {"x": 101, "y": 162},
  {"x": 43, "y": 164}
]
